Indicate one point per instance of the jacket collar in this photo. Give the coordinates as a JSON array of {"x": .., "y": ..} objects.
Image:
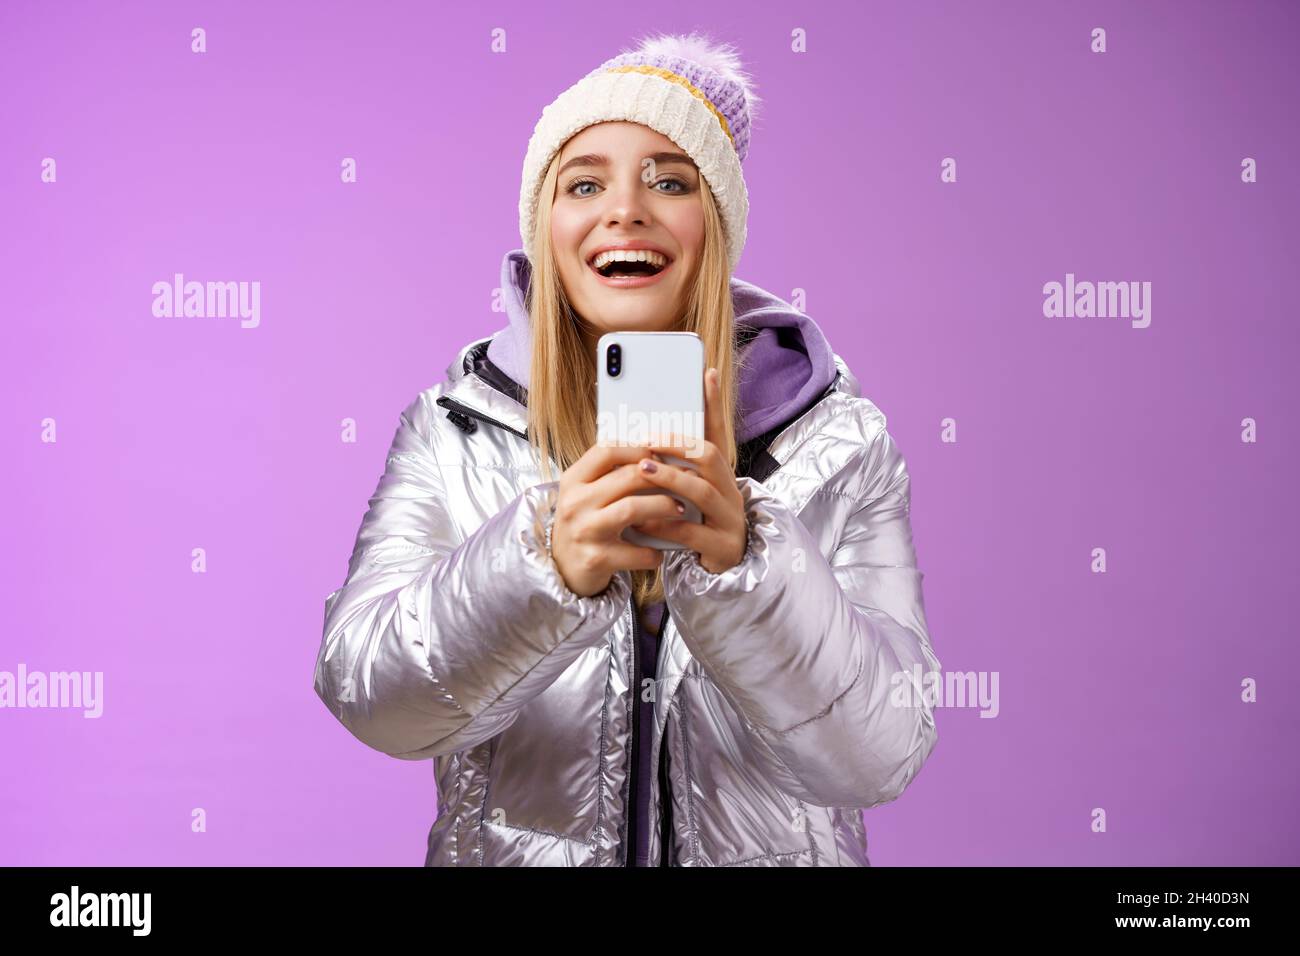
[{"x": 479, "y": 389}]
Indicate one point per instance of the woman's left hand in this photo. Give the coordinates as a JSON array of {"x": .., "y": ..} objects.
[{"x": 721, "y": 539}]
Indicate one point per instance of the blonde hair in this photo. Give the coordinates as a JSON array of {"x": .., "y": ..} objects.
[{"x": 562, "y": 377}]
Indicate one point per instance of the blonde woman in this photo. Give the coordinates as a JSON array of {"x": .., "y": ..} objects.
[{"x": 587, "y": 701}]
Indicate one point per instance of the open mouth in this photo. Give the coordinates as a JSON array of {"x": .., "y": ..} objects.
[{"x": 613, "y": 268}]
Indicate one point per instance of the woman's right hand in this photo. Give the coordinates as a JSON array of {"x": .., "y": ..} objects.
[{"x": 595, "y": 503}]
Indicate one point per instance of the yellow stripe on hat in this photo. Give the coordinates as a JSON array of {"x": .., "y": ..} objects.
[{"x": 682, "y": 81}]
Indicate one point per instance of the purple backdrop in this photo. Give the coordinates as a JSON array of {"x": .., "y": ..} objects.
[{"x": 1119, "y": 690}]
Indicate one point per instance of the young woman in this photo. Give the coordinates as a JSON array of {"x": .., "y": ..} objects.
[{"x": 590, "y": 702}]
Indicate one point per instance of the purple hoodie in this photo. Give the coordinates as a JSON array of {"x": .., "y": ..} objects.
[{"x": 786, "y": 363}]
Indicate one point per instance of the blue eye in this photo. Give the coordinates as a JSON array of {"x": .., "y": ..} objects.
[
  {"x": 574, "y": 186},
  {"x": 672, "y": 179}
]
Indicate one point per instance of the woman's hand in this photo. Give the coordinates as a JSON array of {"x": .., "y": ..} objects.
[
  {"x": 595, "y": 503},
  {"x": 720, "y": 541}
]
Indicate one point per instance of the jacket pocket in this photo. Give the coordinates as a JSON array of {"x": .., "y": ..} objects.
[
  {"x": 545, "y": 772},
  {"x": 734, "y": 814}
]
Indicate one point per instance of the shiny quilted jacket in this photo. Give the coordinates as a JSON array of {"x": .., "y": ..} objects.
[{"x": 781, "y": 704}]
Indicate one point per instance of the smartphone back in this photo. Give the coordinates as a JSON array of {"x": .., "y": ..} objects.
[{"x": 650, "y": 387}]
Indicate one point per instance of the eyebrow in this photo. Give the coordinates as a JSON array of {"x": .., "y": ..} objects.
[{"x": 599, "y": 159}]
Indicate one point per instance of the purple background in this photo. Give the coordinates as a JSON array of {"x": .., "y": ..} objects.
[{"x": 1117, "y": 690}]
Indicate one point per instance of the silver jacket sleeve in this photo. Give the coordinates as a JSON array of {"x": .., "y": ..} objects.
[
  {"x": 813, "y": 652},
  {"x": 436, "y": 640}
]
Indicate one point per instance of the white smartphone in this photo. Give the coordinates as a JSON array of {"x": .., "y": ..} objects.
[{"x": 650, "y": 387}]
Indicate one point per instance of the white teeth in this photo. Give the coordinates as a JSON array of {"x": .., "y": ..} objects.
[{"x": 629, "y": 255}]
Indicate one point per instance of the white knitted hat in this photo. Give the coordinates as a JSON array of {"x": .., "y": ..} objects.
[{"x": 686, "y": 88}]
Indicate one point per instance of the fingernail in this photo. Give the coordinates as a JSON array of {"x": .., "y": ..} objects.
[{"x": 648, "y": 465}]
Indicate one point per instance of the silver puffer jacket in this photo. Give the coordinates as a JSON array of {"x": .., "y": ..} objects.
[{"x": 779, "y": 707}]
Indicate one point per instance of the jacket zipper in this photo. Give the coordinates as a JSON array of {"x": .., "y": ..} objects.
[
  {"x": 632, "y": 801},
  {"x": 455, "y": 411},
  {"x": 638, "y": 732},
  {"x": 665, "y": 797}
]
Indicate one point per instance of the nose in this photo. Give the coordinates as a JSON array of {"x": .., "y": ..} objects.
[{"x": 627, "y": 204}]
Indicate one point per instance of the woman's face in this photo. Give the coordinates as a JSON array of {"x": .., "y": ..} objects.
[{"x": 624, "y": 184}]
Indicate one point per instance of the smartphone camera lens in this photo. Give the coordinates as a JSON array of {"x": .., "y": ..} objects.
[{"x": 613, "y": 360}]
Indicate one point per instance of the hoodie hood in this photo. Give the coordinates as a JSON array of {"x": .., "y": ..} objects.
[{"x": 786, "y": 361}]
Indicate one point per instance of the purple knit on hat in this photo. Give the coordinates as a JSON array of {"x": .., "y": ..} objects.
[{"x": 726, "y": 95}]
